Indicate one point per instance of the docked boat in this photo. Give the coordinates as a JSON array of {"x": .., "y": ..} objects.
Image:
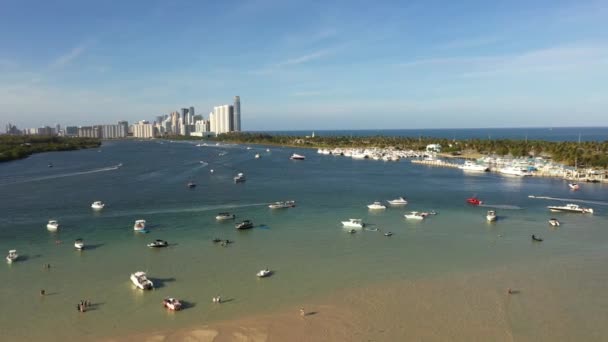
[
  {"x": 52, "y": 225},
  {"x": 12, "y": 256},
  {"x": 239, "y": 178},
  {"x": 158, "y": 243},
  {"x": 257, "y": 156},
  {"x": 140, "y": 280},
  {"x": 514, "y": 171},
  {"x": 376, "y": 206},
  {"x": 79, "y": 244},
  {"x": 246, "y": 224},
  {"x": 570, "y": 208},
  {"x": 474, "y": 201},
  {"x": 353, "y": 223},
  {"x": 397, "y": 201},
  {"x": 554, "y": 222},
  {"x": 573, "y": 186},
  {"x": 296, "y": 156},
  {"x": 98, "y": 205},
  {"x": 282, "y": 205},
  {"x": 470, "y": 166},
  {"x": 172, "y": 304},
  {"x": 191, "y": 185},
  {"x": 225, "y": 216},
  {"x": 414, "y": 215},
  {"x": 491, "y": 216},
  {"x": 264, "y": 273},
  {"x": 140, "y": 226}
]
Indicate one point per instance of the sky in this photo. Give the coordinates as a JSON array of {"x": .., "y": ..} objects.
[{"x": 307, "y": 64}]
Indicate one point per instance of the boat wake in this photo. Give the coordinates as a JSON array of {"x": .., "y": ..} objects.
[
  {"x": 568, "y": 199},
  {"x": 63, "y": 175},
  {"x": 501, "y": 206},
  {"x": 184, "y": 210}
]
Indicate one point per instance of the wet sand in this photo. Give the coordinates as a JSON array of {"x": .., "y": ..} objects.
[{"x": 558, "y": 300}]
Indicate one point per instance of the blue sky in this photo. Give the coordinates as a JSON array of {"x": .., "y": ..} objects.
[{"x": 307, "y": 64}]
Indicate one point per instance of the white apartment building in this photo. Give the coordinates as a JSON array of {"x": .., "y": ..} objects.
[{"x": 143, "y": 129}]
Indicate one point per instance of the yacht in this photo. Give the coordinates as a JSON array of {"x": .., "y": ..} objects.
[
  {"x": 140, "y": 280},
  {"x": 264, "y": 273},
  {"x": 296, "y": 156},
  {"x": 12, "y": 256},
  {"x": 573, "y": 186},
  {"x": 239, "y": 178},
  {"x": 79, "y": 244},
  {"x": 491, "y": 216},
  {"x": 98, "y": 205},
  {"x": 414, "y": 215},
  {"x": 172, "y": 304},
  {"x": 376, "y": 206},
  {"x": 282, "y": 205},
  {"x": 514, "y": 171},
  {"x": 140, "y": 226},
  {"x": 353, "y": 223},
  {"x": 158, "y": 243},
  {"x": 554, "y": 222},
  {"x": 225, "y": 216},
  {"x": 52, "y": 225},
  {"x": 473, "y": 167},
  {"x": 571, "y": 208},
  {"x": 257, "y": 156},
  {"x": 246, "y": 224},
  {"x": 397, "y": 201}
]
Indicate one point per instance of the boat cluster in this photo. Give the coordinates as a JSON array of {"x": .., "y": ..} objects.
[
  {"x": 385, "y": 154},
  {"x": 353, "y": 224}
]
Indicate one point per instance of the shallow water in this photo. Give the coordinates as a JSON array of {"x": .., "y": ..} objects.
[{"x": 306, "y": 246}]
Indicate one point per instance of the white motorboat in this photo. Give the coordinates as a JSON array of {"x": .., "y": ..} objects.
[
  {"x": 376, "y": 206},
  {"x": 296, "y": 156},
  {"x": 98, "y": 205},
  {"x": 52, "y": 225},
  {"x": 257, "y": 156},
  {"x": 239, "y": 178},
  {"x": 491, "y": 216},
  {"x": 282, "y": 205},
  {"x": 264, "y": 273},
  {"x": 140, "y": 226},
  {"x": 353, "y": 223},
  {"x": 573, "y": 186},
  {"x": 12, "y": 256},
  {"x": 554, "y": 222},
  {"x": 514, "y": 171},
  {"x": 249, "y": 147},
  {"x": 267, "y": 150},
  {"x": 172, "y": 304},
  {"x": 571, "y": 208},
  {"x": 79, "y": 244},
  {"x": 142, "y": 282},
  {"x": 414, "y": 215},
  {"x": 225, "y": 216},
  {"x": 473, "y": 167},
  {"x": 397, "y": 201},
  {"x": 246, "y": 224},
  {"x": 158, "y": 243}
]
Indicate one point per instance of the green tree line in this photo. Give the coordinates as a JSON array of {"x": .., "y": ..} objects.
[{"x": 20, "y": 146}]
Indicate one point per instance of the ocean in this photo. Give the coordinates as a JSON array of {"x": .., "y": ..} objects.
[{"x": 306, "y": 247}]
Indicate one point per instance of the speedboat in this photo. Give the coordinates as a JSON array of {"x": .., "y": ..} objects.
[
  {"x": 12, "y": 256},
  {"x": 388, "y": 234},
  {"x": 472, "y": 167},
  {"x": 140, "y": 280},
  {"x": 140, "y": 226},
  {"x": 353, "y": 223},
  {"x": 50, "y": 165},
  {"x": 414, "y": 215},
  {"x": 98, "y": 205},
  {"x": 246, "y": 224},
  {"x": 296, "y": 156},
  {"x": 239, "y": 178},
  {"x": 191, "y": 185},
  {"x": 397, "y": 201},
  {"x": 225, "y": 216},
  {"x": 282, "y": 205},
  {"x": 257, "y": 156},
  {"x": 172, "y": 304},
  {"x": 264, "y": 273},
  {"x": 554, "y": 222},
  {"x": 376, "y": 206},
  {"x": 52, "y": 225},
  {"x": 571, "y": 208},
  {"x": 491, "y": 216},
  {"x": 474, "y": 201},
  {"x": 267, "y": 150},
  {"x": 249, "y": 147},
  {"x": 158, "y": 244},
  {"x": 79, "y": 244},
  {"x": 573, "y": 186}
]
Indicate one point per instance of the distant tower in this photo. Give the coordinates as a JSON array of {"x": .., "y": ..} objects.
[
  {"x": 184, "y": 114},
  {"x": 237, "y": 114},
  {"x": 191, "y": 112}
]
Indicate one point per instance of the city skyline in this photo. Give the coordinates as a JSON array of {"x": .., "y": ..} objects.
[{"x": 334, "y": 65}]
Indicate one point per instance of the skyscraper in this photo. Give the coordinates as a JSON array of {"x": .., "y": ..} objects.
[
  {"x": 237, "y": 114},
  {"x": 191, "y": 113}
]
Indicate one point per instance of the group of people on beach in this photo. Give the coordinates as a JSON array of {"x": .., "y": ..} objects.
[
  {"x": 217, "y": 299},
  {"x": 83, "y": 305}
]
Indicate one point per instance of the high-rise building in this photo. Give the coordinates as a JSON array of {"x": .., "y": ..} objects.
[
  {"x": 191, "y": 112},
  {"x": 71, "y": 131},
  {"x": 184, "y": 114},
  {"x": 123, "y": 129},
  {"x": 237, "y": 114},
  {"x": 143, "y": 129}
]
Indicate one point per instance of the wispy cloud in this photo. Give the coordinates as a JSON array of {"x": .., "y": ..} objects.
[
  {"x": 309, "y": 57},
  {"x": 448, "y": 61},
  {"x": 468, "y": 43},
  {"x": 69, "y": 56}
]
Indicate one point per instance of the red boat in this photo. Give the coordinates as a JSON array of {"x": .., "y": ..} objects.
[{"x": 473, "y": 201}]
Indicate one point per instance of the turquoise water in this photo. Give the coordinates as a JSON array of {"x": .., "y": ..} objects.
[{"x": 306, "y": 246}]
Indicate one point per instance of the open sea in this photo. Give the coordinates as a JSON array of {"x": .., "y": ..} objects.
[{"x": 311, "y": 254}]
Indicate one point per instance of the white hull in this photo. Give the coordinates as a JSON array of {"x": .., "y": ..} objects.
[
  {"x": 490, "y": 218},
  {"x": 376, "y": 206},
  {"x": 141, "y": 282},
  {"x": 514, "y": 172},
  {"x": 414, "y": 217},
  {"x": 79, "y": 246},
  {"x": 472, "y": 167},
  {"x": 571, "y": 208},
  {"x": 351, "y": 224}
]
